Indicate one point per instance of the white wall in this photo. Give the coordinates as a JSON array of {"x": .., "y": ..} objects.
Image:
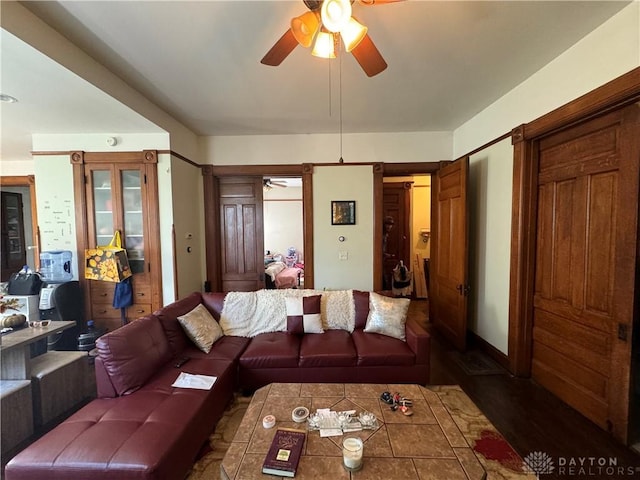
[
  {"x": 604, "y": 54},
  {"x": 343, "y": 182},
  {"x": 17, "y": 168},
  {"x": 283, "y": 227},
  {"x": 490, "y": 188},
  {"x": 325, "y": 148},
  {"x": 97, "y": 142},
  {"x": 56, "y": 205},
  {"x": 188, "y": 220}
]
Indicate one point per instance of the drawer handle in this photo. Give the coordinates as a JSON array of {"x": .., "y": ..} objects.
[
  {"x": 140, "y": 294},
  {"x": 140, "y": 311},
  {"x": 104, "y": 294},
  {"x": 102, "y": 311}
]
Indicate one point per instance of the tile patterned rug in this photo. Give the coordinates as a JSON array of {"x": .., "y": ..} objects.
[{"x": 492, "y": 450}]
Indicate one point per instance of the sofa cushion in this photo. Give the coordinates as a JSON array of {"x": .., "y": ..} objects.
[
  {"x": 387, "y": 316},
  {"x": 133, "y": 353},
  {"x": 374, "y": 349},
  {"x": 272, "y": 350},
  {"x": 168, "y": 317},
  {"x": 361, "y": 301},
  {"x": 303, "y": 314},
  {"x": 334, "y": 348},
  {"x": 201, "y": 327},
  {"x": 226, "y": 348}
]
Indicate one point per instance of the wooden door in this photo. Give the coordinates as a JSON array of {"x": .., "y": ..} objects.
[
  {"x": 585, "y": 265},
  {"x": 242, "y": 234},
  {"x": 396, "y": 203},
  {"x": 449, "y": 287},
  {"x": 14, "y": 255}
]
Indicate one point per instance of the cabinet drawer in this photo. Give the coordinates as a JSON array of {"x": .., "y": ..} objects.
[
  {"x": 104, "y": 310},
  {"x": 138, "y": 310},
  {"x": 102, "y": 292},
  {"x": 142, "y": 294}
]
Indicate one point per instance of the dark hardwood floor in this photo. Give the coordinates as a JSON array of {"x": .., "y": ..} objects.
[{"x": 532, "y": 419}]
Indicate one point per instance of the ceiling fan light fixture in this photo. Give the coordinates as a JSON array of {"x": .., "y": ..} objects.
[
  {"x": 324, "y": 46},
  {"x": 352, "y": 34},
  {"x": 305, "y": 27},
  {"x": 335, "y": 14}
]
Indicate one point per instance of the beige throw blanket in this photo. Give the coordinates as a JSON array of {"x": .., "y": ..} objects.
[{"x": 247, "y": 314}]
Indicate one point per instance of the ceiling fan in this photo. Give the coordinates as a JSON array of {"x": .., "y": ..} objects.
[
  {"x": 268, "y": 184},
  {"x": 328, "y": 22}
]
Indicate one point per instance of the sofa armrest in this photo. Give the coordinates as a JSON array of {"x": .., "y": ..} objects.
[
  {"x": 103, "y": 381},
  {"x": 419, "y": 341}
]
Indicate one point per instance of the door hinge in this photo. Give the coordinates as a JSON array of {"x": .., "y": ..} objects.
[
  {"x": 149, "y": 267},
  {"x": 464, "y": 289},
  {"x": 145, "y": 178}
]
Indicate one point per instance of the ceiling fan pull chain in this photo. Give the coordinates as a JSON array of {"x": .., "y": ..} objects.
[{"x": 340, "y": 79}]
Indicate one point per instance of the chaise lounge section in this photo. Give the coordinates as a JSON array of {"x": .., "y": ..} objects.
[{"x": 140, "y": 427}]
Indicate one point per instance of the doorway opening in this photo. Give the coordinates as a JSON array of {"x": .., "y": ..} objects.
[
  {"x": 406, "y": 233},
  {"x": 283, "y": 232},
  {"x": 19, "y": 225}
]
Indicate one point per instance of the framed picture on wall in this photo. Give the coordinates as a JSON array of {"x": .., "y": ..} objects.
[{"x": 343, "y": 212}]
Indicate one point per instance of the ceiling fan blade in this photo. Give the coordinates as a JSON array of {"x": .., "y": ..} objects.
[
  {"x": 369, "y": 57},
  {"x": 280, "y": 50}
]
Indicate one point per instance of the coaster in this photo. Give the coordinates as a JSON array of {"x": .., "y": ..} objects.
[
  {"x": 269, "y": 421},
  {"x": 299, "y": 414}
]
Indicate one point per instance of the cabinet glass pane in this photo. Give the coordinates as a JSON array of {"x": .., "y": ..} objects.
[
  {"x": 132, "y": 207},
  {"x": 103, "y": 206}
]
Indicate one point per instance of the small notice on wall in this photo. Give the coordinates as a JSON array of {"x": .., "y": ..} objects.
[{"x": 57, "y": 227}]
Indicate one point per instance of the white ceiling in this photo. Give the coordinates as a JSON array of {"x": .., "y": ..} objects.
[{"x": 200, "y": 62}]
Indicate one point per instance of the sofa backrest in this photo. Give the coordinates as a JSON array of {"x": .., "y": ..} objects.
[
  {"x": 361, "y": 300},
  {"x": 214, "y": 301},
  {"x": 168, "y": 317},
  {"x": 132, "y": 354}
]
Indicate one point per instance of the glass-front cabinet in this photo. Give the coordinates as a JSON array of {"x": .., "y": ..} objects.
[{"x": 120, "y": 194}]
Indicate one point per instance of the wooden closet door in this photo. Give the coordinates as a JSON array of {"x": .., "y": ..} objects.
[
  {"x": 585, "y": 265},
  {"x": 448, "y": 298},
  {"x": 242, "y": 234}
]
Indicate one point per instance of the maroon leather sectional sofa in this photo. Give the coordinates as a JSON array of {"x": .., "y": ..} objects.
[{"x": 140, "y": 427}]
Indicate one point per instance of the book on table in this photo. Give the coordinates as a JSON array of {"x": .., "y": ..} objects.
[{"x": 284, "y": 453}]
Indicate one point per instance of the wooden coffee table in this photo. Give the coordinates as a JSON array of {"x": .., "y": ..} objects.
[{"x": 427, "y": 445}]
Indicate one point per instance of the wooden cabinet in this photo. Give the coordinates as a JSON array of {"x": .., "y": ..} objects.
[{"x": 119, "y": 191}]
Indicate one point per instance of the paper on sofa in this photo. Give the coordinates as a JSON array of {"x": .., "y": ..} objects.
[{"x": 200, "y": 382}]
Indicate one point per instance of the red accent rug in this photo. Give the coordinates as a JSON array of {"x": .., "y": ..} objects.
[
  {"x": 495, "y": 454},
  {"x": 492, "y": 446}
]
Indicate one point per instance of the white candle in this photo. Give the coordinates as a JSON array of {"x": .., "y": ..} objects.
[{"x": 352, "y": 453}]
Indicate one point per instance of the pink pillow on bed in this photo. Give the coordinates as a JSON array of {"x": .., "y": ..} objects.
[{"x": 303, "y": 314}]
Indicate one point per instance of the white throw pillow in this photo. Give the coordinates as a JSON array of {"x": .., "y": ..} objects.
[
  {"x": 201, "y": 327},
  {"x": 387, "y": 316}
]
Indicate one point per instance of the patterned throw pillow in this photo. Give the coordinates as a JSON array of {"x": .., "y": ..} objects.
[
  {"x": 303, "y": 314},
  {"x": 201, "y": 327},
  {"x": 387, "y": 316}
]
